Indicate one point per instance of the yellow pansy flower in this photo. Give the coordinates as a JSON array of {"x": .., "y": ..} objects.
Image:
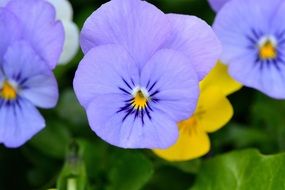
[{"x": 213, "y": 111}]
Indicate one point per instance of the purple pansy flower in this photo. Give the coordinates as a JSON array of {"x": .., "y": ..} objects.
[
  {"x": 26, "y": 79},
  {"x": 217, "y": 4},
  {"x": 254, "y": 45},
  {"x": 141, "y": 72}
]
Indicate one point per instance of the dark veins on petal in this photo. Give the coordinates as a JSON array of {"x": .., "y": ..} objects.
[
  {"x": 129, "y": 109},
  {"x": 254, "y": 36}
]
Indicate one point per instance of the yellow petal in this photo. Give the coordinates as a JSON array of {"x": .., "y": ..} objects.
[
  {"x": 219, "y": 77},
  {"x": 214, "y": 110},
  {"x": 192, "y": 142}
]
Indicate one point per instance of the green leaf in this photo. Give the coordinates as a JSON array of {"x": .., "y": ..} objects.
[
  {"x": 70, "y": 109},
  {"x": 239, "y": 136},
  {"x": 240, "y": 170},
  {"x": 53, "y": 140},
  {"x": 131, "y": 170},
  {"x": 268, "y": 115}
]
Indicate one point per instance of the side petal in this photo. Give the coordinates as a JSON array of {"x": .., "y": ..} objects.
[
  {"x": 10, "y": 30},
  {"x": 37, "y": 83},
  {"x": 19, "y": 123},
  {"x": 219, "y": 77},
  {"x": 71, "y": 43},
  {"x": 217, "y": 4},
  {"x": 108, "y": 123},
  {"x": 103, "y": 70},
  {"x": 214, "y": 110},
  {"x": 40, "y": 28},
  {"x": 137, "y": 25},
  {"x": 192, "y": 143},
  {"x": 175, "y": 81},
  {"x": 196, "y": 39}
]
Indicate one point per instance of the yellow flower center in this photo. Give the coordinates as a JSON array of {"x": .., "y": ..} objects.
[
  {"x": 140, "y": 100},
  {"x": 267, "y": 51},
  {"x": 8, "y": 92}
]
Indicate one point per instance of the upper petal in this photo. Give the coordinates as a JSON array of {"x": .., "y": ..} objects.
[
  {"x": 10, "y": 30},
  {"x": 175, "y": 81},
  {"x": 40, "y": 28},
  {"x": 196, "y": 39},
  {"x": 137, "y": 25},
  {"x": 36, "y": 81},
  {"x": 103, "y": 70},
  {"x": 19, "y": 122}
]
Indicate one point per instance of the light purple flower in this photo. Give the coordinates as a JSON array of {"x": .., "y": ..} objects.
[
  {"x": 141, "y": 72},
  {"x": 217, "y": 4},
  {"x": 26, "y": 59},
  {"x": 253, "y": 38}
]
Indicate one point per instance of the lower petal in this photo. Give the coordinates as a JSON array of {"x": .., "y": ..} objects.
[
  {"x": 129, "y": 131},
  {"x": 214, "y": 110},
  {"x": 192, "y": 143},
  {"x": 19, "y": 123},
  {"x": 267, "y": 78}
]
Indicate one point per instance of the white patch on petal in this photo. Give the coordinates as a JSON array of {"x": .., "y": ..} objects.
[
  {"x": 71, "y": 43},
  {"x": 63, "y": 9}
]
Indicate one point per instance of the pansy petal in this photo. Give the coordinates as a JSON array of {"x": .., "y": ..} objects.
[
  {"x": 192, "y": 143},
  {"x": 217, "y": 4},
  {"x": 104, "y": 70},
  {"x": 3, "y": 2},
  {"x": 19, "y": 122},
  {"x": 23, "y": 65},
  {"x": 277, "y": 28},
  {"x": 214, "y": 110},
  {"x": 269, "y": 79},
  {"x": 110, "y": 125},
  {"x": 219, "y": 77},
  {"x": 189, "y": 35},
  {"x": 175, "y": 83},
  {"x": 137, "y": 25},
  {"x": 45, "y": 34},
  {"x": 10, "y": 30},
  {"x": 71, "y": 43},
  {"x": 63, "y": 9}
]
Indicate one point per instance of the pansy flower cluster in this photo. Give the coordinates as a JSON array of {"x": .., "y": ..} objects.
[
  {"x": 30, "y": 45},
  {"x": 213, "y": 111},
  {"x": 141, "y": 71}
]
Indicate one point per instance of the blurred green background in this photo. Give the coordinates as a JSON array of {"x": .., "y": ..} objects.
[{"x": 68, "y": 150}]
